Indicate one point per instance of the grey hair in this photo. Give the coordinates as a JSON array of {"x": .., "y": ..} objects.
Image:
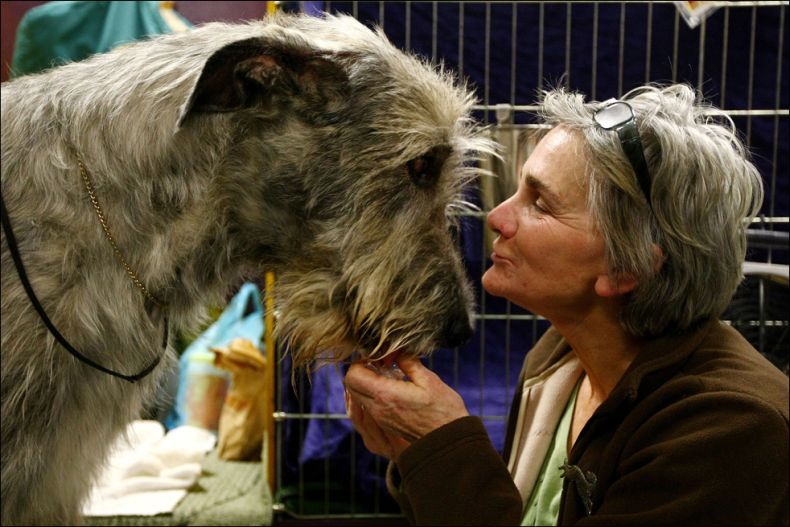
[{"x": 705, "y": 191}]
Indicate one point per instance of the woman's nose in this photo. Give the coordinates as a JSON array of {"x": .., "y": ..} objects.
[{"x": 501, "y": 219}]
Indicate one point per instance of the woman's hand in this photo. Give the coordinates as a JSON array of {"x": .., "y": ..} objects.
[
  {"x": 376, "y": 440},
  {"x": 390, "y": 414}
]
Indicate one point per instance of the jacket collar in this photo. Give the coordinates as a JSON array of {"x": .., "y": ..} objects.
[{"x": 658, "y": 360}]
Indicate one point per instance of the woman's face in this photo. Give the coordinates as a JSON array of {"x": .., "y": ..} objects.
[{"x": 547, "y": 257}]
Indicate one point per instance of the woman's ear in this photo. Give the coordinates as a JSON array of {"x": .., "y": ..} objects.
[
  {"x": 658, "y": 258},
  {"x": 607, "y": 286}
]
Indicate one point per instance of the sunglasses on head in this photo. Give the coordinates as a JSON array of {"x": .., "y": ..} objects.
[{"x": 619, "y": 116}]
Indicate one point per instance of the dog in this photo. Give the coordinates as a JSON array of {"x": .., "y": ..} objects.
[{"x": 141, "y": 184}]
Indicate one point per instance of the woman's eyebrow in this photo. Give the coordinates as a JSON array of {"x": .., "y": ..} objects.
[{"x": 548, "y": 194}]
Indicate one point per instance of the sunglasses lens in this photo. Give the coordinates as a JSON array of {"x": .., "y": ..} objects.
[{"x": 613, "y": 115}]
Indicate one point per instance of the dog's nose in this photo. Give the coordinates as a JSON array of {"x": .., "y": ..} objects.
[{"x": 457, "y": 331}]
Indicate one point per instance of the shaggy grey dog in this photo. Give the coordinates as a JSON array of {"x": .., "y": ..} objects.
[{"x": 307, "y": 146}]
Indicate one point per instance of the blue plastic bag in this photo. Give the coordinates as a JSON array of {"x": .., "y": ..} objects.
[{"x": 201, "y": 385}]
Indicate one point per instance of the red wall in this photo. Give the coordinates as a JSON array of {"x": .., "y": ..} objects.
[{"x": 10, "y": 15}]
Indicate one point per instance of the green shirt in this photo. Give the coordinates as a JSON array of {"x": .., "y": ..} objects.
[{"x": 543, "y": 506}]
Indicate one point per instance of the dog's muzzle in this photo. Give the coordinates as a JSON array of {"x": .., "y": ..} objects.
[{"x": 457, "y": 331}]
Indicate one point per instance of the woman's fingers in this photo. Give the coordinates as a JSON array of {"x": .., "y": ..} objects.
[{"x": 373, "y": 436}]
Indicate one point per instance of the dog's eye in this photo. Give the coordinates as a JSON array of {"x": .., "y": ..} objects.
[{"x": 424, "y": 171}]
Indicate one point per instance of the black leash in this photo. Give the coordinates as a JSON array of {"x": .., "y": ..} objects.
[{"x": 20, "y": 269}]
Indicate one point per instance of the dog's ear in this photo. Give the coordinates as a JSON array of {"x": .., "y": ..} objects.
[{"x": 253, "y": 73}]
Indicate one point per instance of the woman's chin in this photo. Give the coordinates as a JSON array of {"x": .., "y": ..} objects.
[{"x": 492, "y": 282}]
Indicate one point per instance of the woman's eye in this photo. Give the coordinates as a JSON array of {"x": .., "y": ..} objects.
[{"x": 423, "y": 171}]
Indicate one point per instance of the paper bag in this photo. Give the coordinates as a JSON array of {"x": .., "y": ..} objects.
[{"x": 241, "y": 423}]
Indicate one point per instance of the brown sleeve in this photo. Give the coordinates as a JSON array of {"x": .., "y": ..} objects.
[{"x": 455, "y": 476}]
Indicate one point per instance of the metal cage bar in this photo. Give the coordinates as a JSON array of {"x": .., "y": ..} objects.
[{"x": 455, "y": 37}]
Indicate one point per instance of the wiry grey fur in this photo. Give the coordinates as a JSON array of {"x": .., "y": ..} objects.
[{"x": 280, "y": 145}]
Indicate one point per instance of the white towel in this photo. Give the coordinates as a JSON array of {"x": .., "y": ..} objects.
[{"x": 148, "y": 472}]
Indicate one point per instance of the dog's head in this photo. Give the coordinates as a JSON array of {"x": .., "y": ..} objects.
[{"x": 361, "y": 153}]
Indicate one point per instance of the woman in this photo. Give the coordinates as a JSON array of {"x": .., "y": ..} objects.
[{"x": 637, "y": 406}]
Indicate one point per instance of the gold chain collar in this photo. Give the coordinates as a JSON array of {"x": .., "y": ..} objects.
[{"x": 103, "y": 220}]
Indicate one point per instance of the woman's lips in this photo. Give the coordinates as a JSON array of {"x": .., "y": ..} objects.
[{"x": 498, "y": 258}]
